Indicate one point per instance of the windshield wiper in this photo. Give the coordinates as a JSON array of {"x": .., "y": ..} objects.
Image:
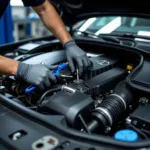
[
  {"x": 113, "y": 37},
  {"x": 129, "y": 36},
  {"x": 103, "y": 37}
]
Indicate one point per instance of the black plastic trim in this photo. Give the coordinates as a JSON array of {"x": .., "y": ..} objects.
[{"x": 41, "y": 119}]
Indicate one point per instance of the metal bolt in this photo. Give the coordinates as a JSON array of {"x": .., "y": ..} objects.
[
  {"x": 108, "y": 129},
  {"x": 111, "y": 91},
  {"x": 130, "y": 107},
  {"x": 144, "y": 125},
  {"x": 135, "y": 122},
  {"x": 143, "y": 100}
]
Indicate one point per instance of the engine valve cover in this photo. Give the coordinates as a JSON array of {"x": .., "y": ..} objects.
[{"x": 99, "y": 65}]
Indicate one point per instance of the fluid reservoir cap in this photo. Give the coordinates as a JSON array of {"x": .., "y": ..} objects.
[
  {"x": 129, "y": 67},
  {"x": 126, "y": 135}
]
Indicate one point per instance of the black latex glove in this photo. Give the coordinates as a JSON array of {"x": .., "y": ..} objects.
[
  {"x": 77, "y": 55},
  {"x": 38, "y": 75}
]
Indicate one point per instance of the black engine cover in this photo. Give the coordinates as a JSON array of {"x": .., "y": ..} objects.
[
  {"x": 101, "y": 83},
  {"x": 141, "y": 117},
  {"x": 99, "y": 65},
  {"x": 70, "y": 105}
]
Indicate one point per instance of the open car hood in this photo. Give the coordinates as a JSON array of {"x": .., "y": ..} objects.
[{"x": 75, "y": 10}]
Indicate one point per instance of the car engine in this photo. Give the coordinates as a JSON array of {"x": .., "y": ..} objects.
[{"x": 98, "y": 102}]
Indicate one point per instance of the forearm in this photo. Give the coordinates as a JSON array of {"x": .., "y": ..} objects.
[
  {"x": 52, "y": 21},
  {"x": 8, "y": 66}
]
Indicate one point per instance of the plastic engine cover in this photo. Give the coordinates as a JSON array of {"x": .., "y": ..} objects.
[
  {"x": 100, "y": 64},
  {"x": 101, "y": 83},
  {"x": 69, "y": 104}
]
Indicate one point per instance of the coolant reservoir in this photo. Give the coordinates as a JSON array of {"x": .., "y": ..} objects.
[{"x": 126, "y": 135}]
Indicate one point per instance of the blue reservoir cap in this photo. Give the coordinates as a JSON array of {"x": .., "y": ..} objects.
[{"x": 126, "y": 135}]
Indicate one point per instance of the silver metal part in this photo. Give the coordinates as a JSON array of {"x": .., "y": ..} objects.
[
  {"x": 135, "y": 122},
  {"x": 77, "y": 75},
  {"x": 2, "y": 88},
  {"x": 45, "y": 143},
  {"x": 111, "y": 91},
  {"x": 108, "y": 129},
  {"x": 82, "y": 130},
  {"x": 128, "y": 120},
  {"x": 107, "y": 114},
  {"x": 16, "y": 136},
  {"x": 65, "y": 76},
  {"x": 68, "y": 89},
  {"x": 123, "y": 101}
]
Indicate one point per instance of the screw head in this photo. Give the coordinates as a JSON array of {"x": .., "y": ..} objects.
[
  {"x": 108, "y": 129},
  {"x": 134, "y": 122}
]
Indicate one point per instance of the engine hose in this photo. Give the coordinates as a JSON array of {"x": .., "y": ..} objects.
[
  {"x": 142, "y": 134},
  {"x": 108, "y": 112},
  {"x": 48, "y": 92},
  {"x": 134, "y": 72}
]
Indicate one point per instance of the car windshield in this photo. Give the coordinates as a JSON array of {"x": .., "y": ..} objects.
[{"x": 115, "y": 25}]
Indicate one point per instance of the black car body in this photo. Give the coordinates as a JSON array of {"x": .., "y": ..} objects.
[{"x": 86, "y": 114}]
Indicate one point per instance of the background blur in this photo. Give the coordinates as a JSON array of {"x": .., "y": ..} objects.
[{"x": 21, "y": 22}]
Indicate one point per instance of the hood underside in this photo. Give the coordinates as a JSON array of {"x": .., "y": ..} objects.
[{"x": 75, "y": 10}]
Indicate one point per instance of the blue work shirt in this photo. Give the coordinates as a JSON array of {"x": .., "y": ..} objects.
[{"x": 4, "y": 4}]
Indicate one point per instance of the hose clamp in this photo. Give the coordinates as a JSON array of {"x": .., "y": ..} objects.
[
  {"x": 123, "y": 101},
  {"x": 107, "y": 114},
  {"x": 68, "y": 89}
]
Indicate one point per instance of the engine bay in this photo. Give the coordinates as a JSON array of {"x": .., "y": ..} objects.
[{"x": 98, "y": 102}]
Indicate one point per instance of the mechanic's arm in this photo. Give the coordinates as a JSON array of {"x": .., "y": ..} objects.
[
  {"x": 8, "y": 66},
  {"x": 53, "y": 22},
  {"x": 38, "y": 75}
]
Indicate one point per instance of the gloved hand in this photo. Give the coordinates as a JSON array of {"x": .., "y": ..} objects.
[
  {"x": 77, "y": 55},
  {"x": 38, "y": 75}
]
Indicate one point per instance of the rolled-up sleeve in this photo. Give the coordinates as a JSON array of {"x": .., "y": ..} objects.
[{"x": 33, "y": 3}]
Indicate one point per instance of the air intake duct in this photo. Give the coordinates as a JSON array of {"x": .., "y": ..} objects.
[{"x": 108, "y": 112}]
